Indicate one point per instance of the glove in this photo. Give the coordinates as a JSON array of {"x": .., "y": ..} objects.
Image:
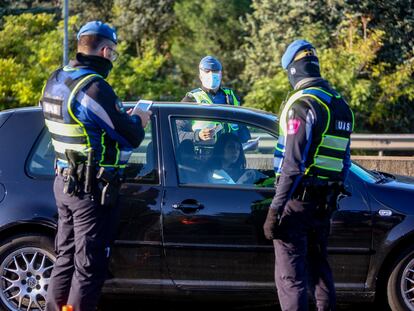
[{"x": 271, "y": 223}]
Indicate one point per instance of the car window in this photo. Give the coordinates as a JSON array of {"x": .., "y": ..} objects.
[
  {"x": 142, "y": 166},
  {"x": 42, "y": 158},
  {"x": 237, "y": 154}
]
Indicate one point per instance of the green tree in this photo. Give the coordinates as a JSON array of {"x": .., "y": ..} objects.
[
  {"x": 139, "y": 21},
  {"x": 30, "y": 48},
  {"x": 275, "y": 23},
  {"x": 208, "y": 27},
  {"x": 91, "y": 10},
  {"x": 135, "y": 77}
]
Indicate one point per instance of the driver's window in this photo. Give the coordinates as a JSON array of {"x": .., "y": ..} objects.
[{"x": 219, "y": 152}]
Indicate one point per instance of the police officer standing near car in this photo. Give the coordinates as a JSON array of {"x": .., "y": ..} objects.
[
  {"x": 93, "y": 137},
  {"x": 312, "y": 159},
  {"x": 211, "y": 92}
]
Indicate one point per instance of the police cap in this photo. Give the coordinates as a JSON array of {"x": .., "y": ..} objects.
[
  {"x": 98, "y": 28},
  {"x": 293, "y": 48},
  {"x": 210, "y": 63}
]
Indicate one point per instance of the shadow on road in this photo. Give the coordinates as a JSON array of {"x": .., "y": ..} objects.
[{"x": 169, "y": 305}]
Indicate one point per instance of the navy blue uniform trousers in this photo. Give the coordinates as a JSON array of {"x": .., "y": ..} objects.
[
  {"x": 301, "y": 258},
  {"x": 85, "y": 230}
]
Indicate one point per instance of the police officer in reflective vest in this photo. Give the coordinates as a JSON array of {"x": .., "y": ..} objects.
[
  {"x": 93, "y": 136},
  {"x": 211, "y": 92},
  {"x": 312, "y": 159}
]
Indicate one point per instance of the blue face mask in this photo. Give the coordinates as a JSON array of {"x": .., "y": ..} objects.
[{"x": 210, "y": 80}]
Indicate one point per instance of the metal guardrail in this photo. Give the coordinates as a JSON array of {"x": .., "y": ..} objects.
[
  {"x": 382, "y": 142},
  {"x": 377, "y": 142}
]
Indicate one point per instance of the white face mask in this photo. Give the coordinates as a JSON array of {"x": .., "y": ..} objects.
[{"x": 210, "y": 80}]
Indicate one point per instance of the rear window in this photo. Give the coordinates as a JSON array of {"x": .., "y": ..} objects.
[{"x": 4, "y": 116}]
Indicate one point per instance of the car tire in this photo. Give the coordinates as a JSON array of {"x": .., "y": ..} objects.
[
  {"x": 26, "y": 263},
  {"x": 400, "y": 287}
]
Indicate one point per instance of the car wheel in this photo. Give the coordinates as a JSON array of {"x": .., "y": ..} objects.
[
  {"x": 400, "y": 288},
  {"x": 26, "y": 263}
]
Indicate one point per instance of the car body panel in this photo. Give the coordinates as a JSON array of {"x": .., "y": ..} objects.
[{"x": 220, "y": 248}]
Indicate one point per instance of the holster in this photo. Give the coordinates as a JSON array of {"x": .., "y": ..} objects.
[
  {"x": 109, "y": 183},
  {"x": 73, "y": 175},
  {"x": 324, "y": 195}
]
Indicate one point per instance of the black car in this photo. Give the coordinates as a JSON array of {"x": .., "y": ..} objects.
[{"x": 192, "y": 232}]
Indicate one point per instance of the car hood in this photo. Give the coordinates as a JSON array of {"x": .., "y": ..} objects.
[{"x": 396, "y": 194}]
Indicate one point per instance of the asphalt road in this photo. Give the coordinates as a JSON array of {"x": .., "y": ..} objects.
[{"x": 132, "y": 305}]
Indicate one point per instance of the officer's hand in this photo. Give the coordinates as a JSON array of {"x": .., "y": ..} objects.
[
  {"x": 206, "y": 134},
  {"x": 271, "y": 223},
  {"x": 144, "y": 116}
]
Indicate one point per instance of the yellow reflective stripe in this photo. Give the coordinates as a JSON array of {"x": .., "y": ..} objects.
[
  {"x": 230, "y": 92},
  {"x": 335, "y": 142},
  {"x": 70, "y": 130},
  {"x": 319, "y": 89},
  {"x": 75, "y": 91},
  {"x": 118, "y": 152},
  {"x": 201, "y": 95},
  {"x": 61, "y": 147},
  {"x": 103, "y": 148},
  {"x": 353, "y": 119},
  {"x": 114, "y": 166},
  {"x": 329, "y": 163},
  {"x": 324, "y": 132}
]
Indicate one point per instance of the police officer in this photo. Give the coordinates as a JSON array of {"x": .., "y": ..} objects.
[
  {"x": 93, "y": 136},
  {"x": 312, "y": 159},
  {"x": 211, "y": 92}
]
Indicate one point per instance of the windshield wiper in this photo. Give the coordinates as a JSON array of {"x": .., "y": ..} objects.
[{"x": 382, "y": 177}]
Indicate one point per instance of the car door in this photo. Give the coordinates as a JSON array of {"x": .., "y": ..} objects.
[
  {"x": 212, "y": 231},
  {"x": 350, "y": 241},
  {"x": 136, "y": 262},
  {"x": 137, "y": 252}
]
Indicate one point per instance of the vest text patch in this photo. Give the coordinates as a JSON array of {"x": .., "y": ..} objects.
[
  {"x": 53, "y": 109},
  {"x": 343, "y": 126}
]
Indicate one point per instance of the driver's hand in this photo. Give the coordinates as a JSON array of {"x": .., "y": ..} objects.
[
  {"x": 206, "y": 134},
  {"x": 247, "y": 177}
]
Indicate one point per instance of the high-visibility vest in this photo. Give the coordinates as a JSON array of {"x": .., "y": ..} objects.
[
  {"x": 67, "y": 131},
  {"x": 326, "y": 155},
  {"x": 202, "y": 97}
]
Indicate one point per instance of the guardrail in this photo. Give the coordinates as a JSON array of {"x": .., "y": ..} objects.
[{"x": 377, "y": 142}]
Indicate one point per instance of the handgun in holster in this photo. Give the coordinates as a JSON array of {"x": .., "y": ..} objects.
[
  {"x": 89, "y": 173},
  {"x": 109, "y": 186},
  {"x": 73, "y": 176}
]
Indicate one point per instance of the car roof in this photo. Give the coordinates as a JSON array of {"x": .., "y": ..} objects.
[{"x": 195, "y": 107}]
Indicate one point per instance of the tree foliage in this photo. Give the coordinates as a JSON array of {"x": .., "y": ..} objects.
[
  {"x": 208, "y": 27},
  {"x": 30, "y": 47},
  {"x": 366, "y": 49},
  {"x": 139, "y": 21}
]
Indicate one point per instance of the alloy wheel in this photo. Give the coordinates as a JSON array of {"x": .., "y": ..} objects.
[{"x": 25, "y": 275}]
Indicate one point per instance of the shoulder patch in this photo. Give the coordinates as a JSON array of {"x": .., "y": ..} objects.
[{"x": 293, "y": 126}]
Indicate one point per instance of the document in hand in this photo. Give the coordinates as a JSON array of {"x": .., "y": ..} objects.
[
  {"x": 143, "y": 105},
  {"x": 251, "y": 144}
]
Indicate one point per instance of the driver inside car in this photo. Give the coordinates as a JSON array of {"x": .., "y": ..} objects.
[{"x": 227, "y": 164}]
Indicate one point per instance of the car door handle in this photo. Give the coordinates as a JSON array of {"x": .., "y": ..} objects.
[{"x": 188, "y": 207}]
